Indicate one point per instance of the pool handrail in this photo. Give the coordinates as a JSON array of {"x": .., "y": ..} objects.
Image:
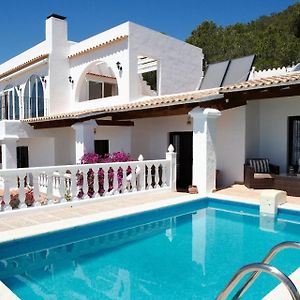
[
  {"x": 274, "y": 251},
  {"x": 259, "y": 267}
]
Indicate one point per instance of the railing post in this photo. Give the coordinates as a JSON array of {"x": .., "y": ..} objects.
[
  {"x": 141, "y": 173},
  {"x": 171, "y": 157}
]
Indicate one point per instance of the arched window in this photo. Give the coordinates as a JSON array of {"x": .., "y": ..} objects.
[
  {"x": 9, "y": 104},
  {"x": 34, "y": 98}
]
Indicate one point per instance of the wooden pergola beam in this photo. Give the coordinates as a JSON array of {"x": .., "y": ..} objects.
[{"x": 114, "y": 123}]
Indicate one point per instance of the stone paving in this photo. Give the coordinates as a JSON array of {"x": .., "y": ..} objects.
[
  {"x": 36, "y": 221},
  {"x": 240, "y": 191}
]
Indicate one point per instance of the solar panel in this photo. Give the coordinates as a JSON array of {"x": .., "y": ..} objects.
[
  {"x": 227, "y": 72},
  {"x": 238, "y": 70},
  {"x": 214, "y": 75}
]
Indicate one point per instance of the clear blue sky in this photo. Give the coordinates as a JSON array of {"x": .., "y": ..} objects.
[{"x": 22, "y": 22}]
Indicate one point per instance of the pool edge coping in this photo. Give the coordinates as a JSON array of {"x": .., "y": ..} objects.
[{"x": 121, "y": 212}]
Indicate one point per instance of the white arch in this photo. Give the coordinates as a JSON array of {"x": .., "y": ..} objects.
[
  {"x": 33, "y": 97},
  {"x": 103, "y": 65}
]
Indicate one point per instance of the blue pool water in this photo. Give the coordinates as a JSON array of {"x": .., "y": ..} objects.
[{"x": 188, "y": 251}]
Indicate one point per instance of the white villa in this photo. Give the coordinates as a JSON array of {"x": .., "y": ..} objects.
[{"x": 61, "y": 99}]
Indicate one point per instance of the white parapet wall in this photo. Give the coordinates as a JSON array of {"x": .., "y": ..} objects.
[{"x": 46, "y": 186}]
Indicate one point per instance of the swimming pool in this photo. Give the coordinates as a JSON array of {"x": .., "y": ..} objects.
[{"x": 187, "y": 251}]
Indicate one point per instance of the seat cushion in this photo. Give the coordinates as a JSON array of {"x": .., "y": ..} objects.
[
  {"x": 262, "y": 176},
  {"x": 260, "y": 165}
]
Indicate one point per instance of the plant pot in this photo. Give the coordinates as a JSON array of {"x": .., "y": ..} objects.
[{"x": 193, "y": 189}]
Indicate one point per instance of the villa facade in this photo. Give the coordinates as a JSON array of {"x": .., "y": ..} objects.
[{"x": 61, "y": 99}]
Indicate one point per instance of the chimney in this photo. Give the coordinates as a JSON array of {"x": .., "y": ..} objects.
[{"x": 56, "y": 31}]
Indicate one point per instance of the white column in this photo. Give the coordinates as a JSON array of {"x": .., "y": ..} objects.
[
  {"x": 9, "y": 153},
  {"x": 171, "y": 156},
  {"x": 84, "y": 138},
  {"x": 204, "y": 148}
]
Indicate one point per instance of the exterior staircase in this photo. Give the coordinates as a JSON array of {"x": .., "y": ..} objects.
[{"x": 146, "y": 89}]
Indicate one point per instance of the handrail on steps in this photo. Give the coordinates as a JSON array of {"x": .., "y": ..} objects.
[
  {"x": 276, "y": 249},
  {"x": 260, "y": 267}
]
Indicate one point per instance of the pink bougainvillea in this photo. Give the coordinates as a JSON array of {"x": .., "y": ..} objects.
[{"x": 90, "y": 158}]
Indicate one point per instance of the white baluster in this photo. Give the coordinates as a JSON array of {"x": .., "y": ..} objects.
[
  {"x": 141, "y": 174},
  {"x": 115, "y": 181},
  {"x": 56, "y": 195},
  {"x": 47, "y": 194},
  {"x": 22, "y": 190},
  {"x": 3, "y": 204},
  {"x": 124, "y": 180},
  {"x": 43, "y": 186},
  {"x": 8, "y": 184},
  {"x": 94, "y": 174},
  {"x": 33, "y": 184},
  {"x": 106, "y": 183},
  {"x": 85, "y": 187},
  {"x": 156, "y": 176},
  {"x": 62, "y": 185},
  {"x": 148, "y": 177},
  {"x": 68, "y": 186},
  {"x": 73, "y": 184},
  {"x": 163, "y": 175},
  {"x": 133, "y": 179},
  {"x": 96, "y": 182}
]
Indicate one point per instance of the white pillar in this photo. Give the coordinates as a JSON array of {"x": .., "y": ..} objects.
[
  {"x": 9, "y": 153},
  {"x": 84, "y": 138},
  {"x": 204, "y": 148},
  {"x": 171, "y": 156}
]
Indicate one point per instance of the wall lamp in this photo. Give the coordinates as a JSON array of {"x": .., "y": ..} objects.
[
  {"x": 43, "y": 79},
  {"x": 71, "y": 79},
  {"x": 119, "y": 66}
]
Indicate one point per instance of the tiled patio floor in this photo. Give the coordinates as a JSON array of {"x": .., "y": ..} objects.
[
  {"x": 35, "y": 221},
  {"x": 239, "y": 191},
  {"x": 28, "y": 222}
]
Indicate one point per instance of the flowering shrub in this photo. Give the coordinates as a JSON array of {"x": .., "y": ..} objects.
[
  {"x": 115, "y": 157},
  {"x": 90, "y": 158}
]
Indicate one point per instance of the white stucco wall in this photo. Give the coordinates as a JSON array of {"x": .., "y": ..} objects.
[
  {"x": 64, "y": 146},
  {"x": 180, "y": 64},
  {"x": 150, "y": 137},
  {"x": 252, "y": 129},
  {"x": 231, "y": 131},
  {"x": 40, "y": 150},
  {"x": 273, "y": 119},
  {"x": 119, "y": 138}
]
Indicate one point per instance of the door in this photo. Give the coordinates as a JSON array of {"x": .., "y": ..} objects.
[
  {"x": 183, "y": 144},
  {"x": 22, "y": 157},
  {"x": 101, "y": 147}
]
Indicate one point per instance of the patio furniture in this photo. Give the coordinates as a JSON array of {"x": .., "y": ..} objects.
[
  {"x": 288, "y": 183},
  {"x": 259, "y": 173}
]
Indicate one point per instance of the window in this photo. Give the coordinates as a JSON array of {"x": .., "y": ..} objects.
[
  {"x": 294, "y": 141},
  {"x": 22, "y": 157},
  {"x": 101, "y": 147},
  {"x": 95, "y": 90},
  {"x": 100, "y": 89},
  {"x": 34, "y": 104},
  {"x": 9, "y": 104}
]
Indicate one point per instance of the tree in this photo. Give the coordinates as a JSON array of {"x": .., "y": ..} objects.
[{"x": 274, "y": 39}]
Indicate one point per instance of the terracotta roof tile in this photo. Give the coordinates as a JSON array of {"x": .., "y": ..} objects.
[
  {"x": 158, "y": 101},
  {"x": 100, "y": 45},
  {"x": 258, "y": 83},
  {"x": 23, "y": 65}
]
